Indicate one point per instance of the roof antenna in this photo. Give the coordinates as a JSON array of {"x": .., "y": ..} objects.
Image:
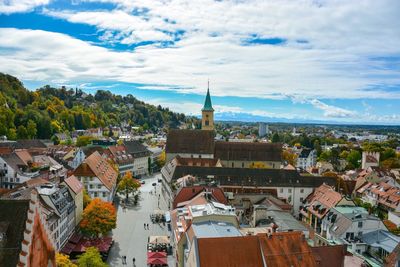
[{"x": 208, "y": 84}]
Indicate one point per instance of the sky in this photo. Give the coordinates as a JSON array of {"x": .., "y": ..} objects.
[{"x": 332, "y": 61}]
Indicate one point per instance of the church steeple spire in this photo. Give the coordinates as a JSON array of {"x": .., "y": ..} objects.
[
  {"x": 207, "y": 120},
  {"x": 207, "y": 104}
]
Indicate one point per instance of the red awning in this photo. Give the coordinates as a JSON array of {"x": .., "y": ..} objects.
[
  {"x": 152, "y": 255},
  {"x": 157, "y": 261}
]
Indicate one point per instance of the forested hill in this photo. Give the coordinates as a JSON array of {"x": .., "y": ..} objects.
[{"x": 46, "y": 111}]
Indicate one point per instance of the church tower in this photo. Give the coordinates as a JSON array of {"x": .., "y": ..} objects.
[{"x": 207, "y": 113}]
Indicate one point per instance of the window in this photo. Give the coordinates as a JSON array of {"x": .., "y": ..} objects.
[
  {"x": 207, "y": 123},
  {"x": 242, "y": 164},
  {"x": 360, "y": 224},
  {"x": 290, "y": 190},
  {"x": 301, "y": 190},
  {"x": 232, "y": 164},
  {"x": 96, "y": 194},
  {"x": 91, "y": 186},
  {"x": 104, "y": 194},
  {"x": 98, "y": 186},
  {"x": 301, "y": 199},
  {"x": 281, "y": 190}
]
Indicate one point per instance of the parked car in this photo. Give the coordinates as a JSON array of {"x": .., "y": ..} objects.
[
  {"x": 159, "y": 180},
  {"x": 143, "y": 182},
  {"x": 154, "y": 184}
]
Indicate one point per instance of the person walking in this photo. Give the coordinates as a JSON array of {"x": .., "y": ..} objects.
[
  {"x": 148, "y": 227},
  {"x": 144, "y": 225},
  {"x": 133, "y": 260}
]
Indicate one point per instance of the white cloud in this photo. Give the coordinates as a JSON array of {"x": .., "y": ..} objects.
[
  {"x": 15, "y": 6},
  {"x": 340, "y": 38},
  {"x": 332, "y": 111}
]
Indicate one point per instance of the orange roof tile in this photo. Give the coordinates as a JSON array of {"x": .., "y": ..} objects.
[
  {"x": 74, "y": 184},
  {"x": 286, "y": 249},
  {"x": 96, "y": 166},
  {"x": 187, "y": 193},
  {"x": 229, "y": 251}
]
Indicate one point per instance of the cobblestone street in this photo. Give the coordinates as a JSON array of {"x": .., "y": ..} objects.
[{"x": 130, "y": 237}]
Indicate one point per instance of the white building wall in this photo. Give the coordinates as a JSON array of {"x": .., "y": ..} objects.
[
  {"x": 294, "y": 196},
  {"x": 141, "y": 166},
  {"x": 96, "y": 188}
]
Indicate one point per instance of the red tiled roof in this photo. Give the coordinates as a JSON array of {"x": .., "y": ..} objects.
[
  {"x": 330, "y": 256},
  {"x": 286, "y": 249},
  {"x": 74, "y": 184},
  {"x": 229, "y": 251},
  {"x": 96, "y": 166},
  {"x": 187, "y": 193},
  {"x": 324, "y": 196}
]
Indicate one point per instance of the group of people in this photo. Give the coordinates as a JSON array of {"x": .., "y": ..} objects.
[
  {"x": 124, "y": 261},
  {"x": 146, "y": 226}
]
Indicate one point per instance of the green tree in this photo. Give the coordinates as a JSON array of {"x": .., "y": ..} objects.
[
  {"x": 12, "y": 134},
  {"x": 86, "y": 198},
  {"x": 275, "y": 138},
  {"x": 354, "y": 158},
  {"x": 91, "y": 258},
  {"x": 83, "y": 140},
  {"x": 31, "y": 129},
  {"x": 22, "y": 133},
  {"x": 128, "y": 185}
]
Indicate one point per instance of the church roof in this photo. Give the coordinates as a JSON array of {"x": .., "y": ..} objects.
[
  {"x": 190, "y": 141},
  {"x": 207, "y": 103}
]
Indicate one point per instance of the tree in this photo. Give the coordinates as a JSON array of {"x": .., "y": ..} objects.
[
  {"x": 98, "y": 218},
  {"x": 91, "y": 258},
  {"x": 354, "y": 158},
  {"x": 162, "y": 159},
  {"x": 289, "y": 157},
  {"x": 22, "y": 133},
  {"x": 31, "y": 129},
  {"x": 128, "y": 184},
  {"x": 86, "y": 198},
  {"x": 63, "y": 260},
  {"x": 83, "y": 140},
  {"x": 275, "y": 138}
]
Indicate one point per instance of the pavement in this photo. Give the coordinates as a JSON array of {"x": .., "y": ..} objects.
[{"x": 130, "y": 237}]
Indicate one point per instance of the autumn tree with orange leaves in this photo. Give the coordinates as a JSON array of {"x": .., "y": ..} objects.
[{"x": 98, "y": 218}]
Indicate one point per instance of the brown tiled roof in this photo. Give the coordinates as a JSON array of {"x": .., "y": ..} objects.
[
  {"x": 190, "y": 141},
  {"x": 330, "y": 256},
  {"x": 248, "y": 151},
  {"x": 286, "y": 249},
  {"x": 96, "y": 166},
  {"x": 187, "y": 193},
  {"x": 74, "y": 184},
  {"x": 322, "y": 199},
  {"x": 24, "y": 156},
  {"x": 229, "y": 251}
]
